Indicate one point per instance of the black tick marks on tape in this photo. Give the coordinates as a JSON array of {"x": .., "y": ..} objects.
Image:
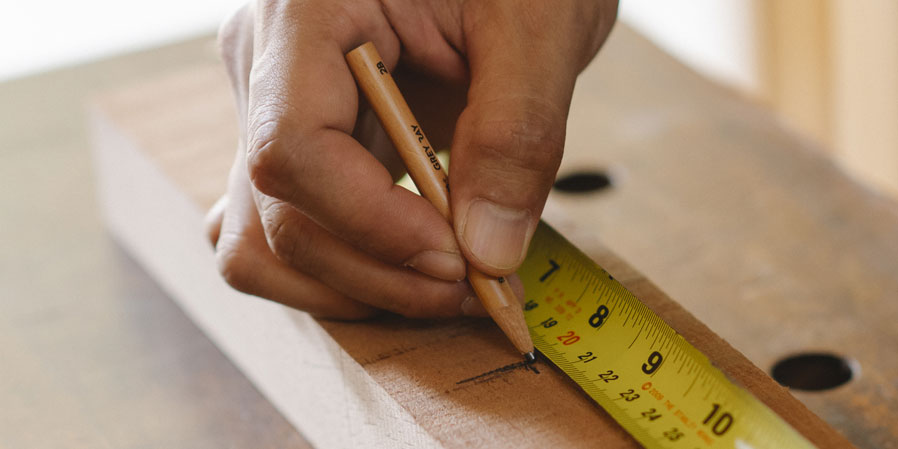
[
  {"x": 489, "y": 375},
  {"x": 812, "y": 371},
  {"x": 583, "y": 182}
]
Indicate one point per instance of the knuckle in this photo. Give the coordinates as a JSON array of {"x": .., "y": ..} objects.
[
  {"x": 265, "y": 156},
  {"x": 289, "y": 236},
  {"x": 235, "y": 266},
  {"x": 531, "y": 143}
]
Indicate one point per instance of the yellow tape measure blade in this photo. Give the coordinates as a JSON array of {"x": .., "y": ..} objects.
[{"x": 655, "y": 384}]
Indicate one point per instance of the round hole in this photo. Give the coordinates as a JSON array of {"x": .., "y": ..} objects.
[
  {"x": 583, "y": 182},
  {"x": 812, "y": 371}
]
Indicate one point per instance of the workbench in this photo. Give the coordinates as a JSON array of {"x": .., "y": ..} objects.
[{"x": 743, "y": 223}]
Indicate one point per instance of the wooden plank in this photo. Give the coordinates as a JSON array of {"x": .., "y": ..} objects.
[
  {"x": 93, "y": 355},
  {"x": 699, "y": 218}
]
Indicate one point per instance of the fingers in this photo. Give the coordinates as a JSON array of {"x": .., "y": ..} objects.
[
  {"x": 235, "y": 45},
  {"x": 430, "y": 37},
  {"x": 212, "y": 221},
  {"x": 310, "y": 249},
  {"x": 248, "y": 265},
  {"x": 473, "y": 307},
  {"x": 302, "y": 109},
  {"x": 284, "y": 254},
  {"x": 312, "y": 270},
  {"x": 334, "y": 232},
  {"x": 244, "y": 259},
  {"x": 510, "y": 138}
]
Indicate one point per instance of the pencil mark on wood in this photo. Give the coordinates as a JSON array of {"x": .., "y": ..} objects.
[{"x": 490, "y": 375}]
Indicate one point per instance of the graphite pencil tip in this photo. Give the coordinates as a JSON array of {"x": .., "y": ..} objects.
[{"x": 530, "y": 357}]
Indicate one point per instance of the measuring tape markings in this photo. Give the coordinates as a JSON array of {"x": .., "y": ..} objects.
[{"x": 621, "y": 353}]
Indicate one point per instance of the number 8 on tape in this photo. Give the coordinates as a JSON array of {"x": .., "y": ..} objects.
[{"x": 656, "y": 385}]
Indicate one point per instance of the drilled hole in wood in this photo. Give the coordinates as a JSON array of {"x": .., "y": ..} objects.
[
  {"x": 813, "y": 371},
  {"x": 583, "y": 182}
]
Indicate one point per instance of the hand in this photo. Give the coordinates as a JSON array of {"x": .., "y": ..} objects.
[{"x": 312, "y": 218}]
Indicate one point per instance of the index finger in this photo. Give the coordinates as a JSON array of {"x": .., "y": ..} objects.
[{"x": 303, "y": 104}]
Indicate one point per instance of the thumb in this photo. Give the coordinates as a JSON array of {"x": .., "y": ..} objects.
[{"x": 508, "y": 142}]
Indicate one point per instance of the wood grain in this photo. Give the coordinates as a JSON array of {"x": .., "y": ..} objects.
[{"x": 759, "y": 237}]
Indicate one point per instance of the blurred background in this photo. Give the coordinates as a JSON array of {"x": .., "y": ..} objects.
[{"x": 829, "y": 68}]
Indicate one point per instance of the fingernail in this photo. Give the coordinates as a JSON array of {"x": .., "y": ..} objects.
[
  {"x": 496, "y": 234},
  {"x": 439, "y": 264},
  {"x": 471, "y": 306}
]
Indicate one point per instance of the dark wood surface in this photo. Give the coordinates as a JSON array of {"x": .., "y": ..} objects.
[
  {"x": 745, "y": 224},
  {"x": 92, "y": 353}
]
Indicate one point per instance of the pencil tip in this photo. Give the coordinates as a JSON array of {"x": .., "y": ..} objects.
[{"x": 530, "y": 357}]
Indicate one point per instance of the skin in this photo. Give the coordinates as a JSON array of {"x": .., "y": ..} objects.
[{"x": 312, "y": 218}]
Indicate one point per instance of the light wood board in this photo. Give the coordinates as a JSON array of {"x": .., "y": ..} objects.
[
  {"x": 712, "y": 198},
  {"x": 93, "y": 354}
]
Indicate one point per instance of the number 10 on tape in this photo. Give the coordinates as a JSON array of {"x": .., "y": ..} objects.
[{"x": 656, "y": 385}]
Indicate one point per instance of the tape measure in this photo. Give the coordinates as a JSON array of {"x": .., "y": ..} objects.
[{"x": 656, "y": 385}]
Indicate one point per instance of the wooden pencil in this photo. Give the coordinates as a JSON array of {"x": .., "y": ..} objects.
[{"x": 432, "y": 181}]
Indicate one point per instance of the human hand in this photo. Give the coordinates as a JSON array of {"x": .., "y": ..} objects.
[{"x": 312, "y": 218}]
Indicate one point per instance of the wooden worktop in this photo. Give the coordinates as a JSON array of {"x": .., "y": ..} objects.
[{"x": 752, "y": 231}]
